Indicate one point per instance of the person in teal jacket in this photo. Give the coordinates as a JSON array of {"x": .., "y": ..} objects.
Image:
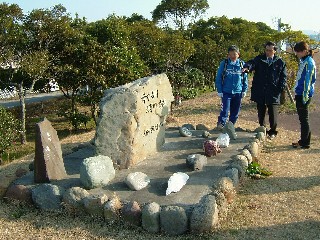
[
  {"x": 304, "y": 90},
  {"x": 232, "y": 85}
]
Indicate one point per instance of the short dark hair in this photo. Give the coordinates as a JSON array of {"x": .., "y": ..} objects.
[
  {"x": 233, "y": 48},
  {"x": 301, "y": 46},
  {"x": 269, "y": 43}
]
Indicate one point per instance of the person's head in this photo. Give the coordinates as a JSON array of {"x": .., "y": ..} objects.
[
  {"x": 302, "y": 49},
  {"x": 270, "y": 49},
  {"x": 233, "y": 52}
]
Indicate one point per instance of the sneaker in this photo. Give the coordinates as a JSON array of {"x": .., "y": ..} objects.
[
  {"x": 219, "y": 127},
  {"x": 271, "y": 136}
]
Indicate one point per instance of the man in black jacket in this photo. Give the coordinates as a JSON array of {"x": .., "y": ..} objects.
[{"x": 269, "y": 80}]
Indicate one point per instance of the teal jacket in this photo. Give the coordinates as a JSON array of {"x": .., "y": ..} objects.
[{"x": 234, "y": 80}]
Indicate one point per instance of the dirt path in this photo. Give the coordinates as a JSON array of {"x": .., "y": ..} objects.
[{"x": 290, "y": 121}]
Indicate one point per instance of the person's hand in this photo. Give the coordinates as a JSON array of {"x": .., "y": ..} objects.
[
  {"x": 220, "y": 94},
  {"x": 243, "y": 94},
  {"x": 245, "y": 70}
]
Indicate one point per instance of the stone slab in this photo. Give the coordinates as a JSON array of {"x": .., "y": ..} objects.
[
  {"x": 159, "y": 167},
  {"x": 48, "y": 161}
]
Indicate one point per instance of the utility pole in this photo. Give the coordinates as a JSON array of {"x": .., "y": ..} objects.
[{"x": 279, "y": 30}]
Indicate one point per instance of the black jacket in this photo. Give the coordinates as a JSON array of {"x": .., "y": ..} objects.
[{"x": 269, "y": 80}]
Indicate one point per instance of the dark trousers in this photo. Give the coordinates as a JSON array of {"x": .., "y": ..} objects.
[
  {"x": 230, "y": 103},
  {"x": 303, "y": 113},
  {"x": 273, "y": 116}
]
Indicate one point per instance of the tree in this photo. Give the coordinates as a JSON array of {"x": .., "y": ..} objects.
[
  {"x": 148, "y": 39},
  {"x": 135, "y": 18},
  {"x": 207, "y": 58},
  {"x": 95, "y": 74},
  {"x": 179, "y": 11},
  {"x": 100, "y": 55},
  {"x": 12, "y": 51},
  {"x": 177, "y": 49},
  {"x": 124, "y": 63},
  {"x": 9, "y": 130},
  {"x": 49, "y": 29}
]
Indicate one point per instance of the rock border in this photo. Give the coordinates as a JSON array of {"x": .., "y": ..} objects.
[{"x": 171, "y": 220}]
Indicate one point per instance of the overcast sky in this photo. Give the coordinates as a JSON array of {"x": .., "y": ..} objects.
[{"x": 300, "y": 14}]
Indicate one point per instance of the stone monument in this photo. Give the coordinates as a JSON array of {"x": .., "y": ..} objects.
[
  {"x": 48, "y": 161},
  {"x": 132, "y": 121}
]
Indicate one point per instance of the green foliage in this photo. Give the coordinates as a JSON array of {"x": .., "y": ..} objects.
[
  {"x": 112, "y": 31},
  {"x": 148, "y": 40},
  {"x": 76, "y": 118},
  {"x": 179, "y": 11},
  {"x": 288, "y": 107},
  {"x": 187, "y": 93},
  {"x": 206, "y": 58},
  {"x": 9, "y": 129},
  {"x": 187, "y": 83},
  {"x": 255, "y": 169},
  {"x": 122, "y": 62},
  {"x": 196, "y": 77},
  {"x": 292, "y": 63},
  {"x": 177, "y": 50},
  {"x": 191, "y": 78},
  {"x": 19, "y": 212}
]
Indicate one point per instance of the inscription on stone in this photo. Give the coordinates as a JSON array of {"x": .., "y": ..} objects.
[
  {"x": 48, "y": 161},
  {"x": 132, "y": 120}
]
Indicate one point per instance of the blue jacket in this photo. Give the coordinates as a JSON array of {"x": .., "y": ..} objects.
[
  {"x": 306, "y": 78},
  {"x": 234, "y": 80},
  {"x": 269, "y": 80}
]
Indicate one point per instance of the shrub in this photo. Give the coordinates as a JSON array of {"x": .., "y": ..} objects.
[
  {"x": 9, "y": 129},
  {"x": 187, "y": 93},
  {"x": 187, "y": 83},
  {"x": 75, "y": 117}
]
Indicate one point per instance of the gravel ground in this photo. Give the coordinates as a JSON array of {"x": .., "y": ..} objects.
[{"x": 285, "y": 205}]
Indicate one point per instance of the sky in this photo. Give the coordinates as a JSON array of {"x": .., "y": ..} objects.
[{"x": 300, "y": 15}]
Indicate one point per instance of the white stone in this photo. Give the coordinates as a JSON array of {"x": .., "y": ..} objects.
[
  {"x": 137, "y": 180},
  {"x": 176, "y": 182},
  {"x": 96, "y": 171}
]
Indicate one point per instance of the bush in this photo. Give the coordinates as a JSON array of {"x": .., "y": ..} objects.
[
  {"x": 187, "y": 93},
  {"x": 187, "y": 83},
  {"x": 76, "y": 118},
  {"x": 190, "y": 78},
  {"x": 9, "y": 129}
]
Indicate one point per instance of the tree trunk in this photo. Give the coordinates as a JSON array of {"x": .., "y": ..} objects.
[
  {"x": 74, "y": 111},
  {"x": 23, "y": 114}
]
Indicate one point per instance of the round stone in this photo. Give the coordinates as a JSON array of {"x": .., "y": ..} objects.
[{"x": 185, "y": 132}]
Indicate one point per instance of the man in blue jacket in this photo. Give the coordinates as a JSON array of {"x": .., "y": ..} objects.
[
  {"x": 232, "y": 85},
  {"x": 269, "y": 80}
]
